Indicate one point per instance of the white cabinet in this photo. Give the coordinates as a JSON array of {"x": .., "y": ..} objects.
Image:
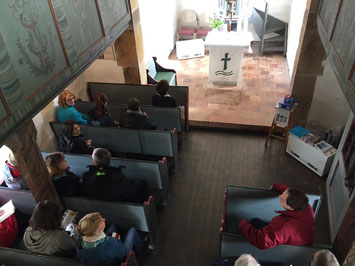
[
  {"x": 310, "y": 156},
  {"x": 190, "y": 49}
]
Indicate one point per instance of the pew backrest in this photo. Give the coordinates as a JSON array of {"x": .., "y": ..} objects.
[
  {"x": 22, "y": 199},
  {"x": 11, "y": 256},
  {"x": 121, "y": 93},
  {"x": 152, "y": 142},
  {"x": 243, "y": 203},
  {"x": 123, "y": 214},
  {"x": 233, "y": 245},
  {"x": 165, "y": 117},
  {"x": 155, "y": 173}
]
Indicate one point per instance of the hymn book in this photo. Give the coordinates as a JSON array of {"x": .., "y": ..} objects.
[{"x": 6, "y": 210}]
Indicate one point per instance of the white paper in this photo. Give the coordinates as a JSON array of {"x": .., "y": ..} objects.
[
  {"x": 282, "y": 117},
  {"x": 8, "y": 209}
]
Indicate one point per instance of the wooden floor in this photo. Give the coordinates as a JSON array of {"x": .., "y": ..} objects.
[{"x": 188, "y": 231}]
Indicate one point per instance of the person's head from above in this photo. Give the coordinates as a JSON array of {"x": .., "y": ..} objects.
[
  {"x": 71, "y": 129},
  {"x": 100, "y": 104},
  {"x": 101, "y": 157},
  {"x": 12, "y": 160},
  {"x": 246, "y": 260},
  {"x": 66, "y": 98},
  {"x": 46, "y": 216},
  {"x": 162, "y": 87},
  {"x": 134, "y": 104},
  {"x": 293, "y": 200},
  {"x": 324, "y": 258},
  {"x": 91, "y": 224},
  {"x": 56, "y": 163}
]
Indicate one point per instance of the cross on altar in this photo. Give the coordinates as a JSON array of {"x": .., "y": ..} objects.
[
  {"x": 225, "y": 59},
  {"x": 226, "y": 55}
]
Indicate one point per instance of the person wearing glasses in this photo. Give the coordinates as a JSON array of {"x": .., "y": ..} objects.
[{"x": 66, "y": 110}]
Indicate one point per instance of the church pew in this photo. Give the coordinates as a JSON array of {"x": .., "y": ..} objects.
[
  {"x": 14, "y": 257},
  {"x": 147, "y": 142},
  {"x": 121, "y": 93},
  {"x": 241, "y": 203},
  {"x": 165, "y": 117},
  {"x": 156, "y": 173},
  {"x": 123, "y": 214}
]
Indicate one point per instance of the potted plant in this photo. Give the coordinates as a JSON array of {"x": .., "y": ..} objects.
[{"x": 216, "y": 22}]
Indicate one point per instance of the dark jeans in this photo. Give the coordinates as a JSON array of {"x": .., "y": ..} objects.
[
  {"x": 258, "y": 223},
  {"x": 132, "y": 240}
]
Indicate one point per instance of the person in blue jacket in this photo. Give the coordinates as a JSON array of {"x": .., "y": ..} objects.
[
  {"x": 97, "y": 248},
  {"x": 66, "y": 110}
]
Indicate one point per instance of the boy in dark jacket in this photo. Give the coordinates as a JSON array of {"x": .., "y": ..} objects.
[
  {"x": 135, "y": 118},
  {"x": 106, "y": 182}
]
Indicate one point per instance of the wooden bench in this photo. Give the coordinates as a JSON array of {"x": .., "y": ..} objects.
[
  {"x": 147, "y": 142},
  {"x": 121, "y": 93},
  {"x": 243, "y": 203},
  {"x": 165, "y": 117},
  {"x": 123, "y": 214},
  {"x": 156, "y": 73},
  {"x": 11, "y": 256},
  {"x": 156, "y": 173}
]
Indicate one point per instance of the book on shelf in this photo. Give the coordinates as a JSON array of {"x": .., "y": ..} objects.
[
  {"x": 311, "y": 138},
  {"x": 6, "y": 210}
]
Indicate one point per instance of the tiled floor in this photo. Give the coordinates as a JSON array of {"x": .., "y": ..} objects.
[{"x": 252, "y": 103}]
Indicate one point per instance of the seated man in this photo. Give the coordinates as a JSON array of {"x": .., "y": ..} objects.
[
  {"x": 106, "y": 182},
  {"x": 135, "y": 118},
  {"x": 294, "y": 226}
]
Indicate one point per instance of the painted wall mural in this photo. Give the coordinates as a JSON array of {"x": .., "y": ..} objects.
[
  {"x": 45, "y": 45},
  {"x": 112, "y": 11},
  {"x": 74, "y": 19},
  {"x": 32, "y": 41}
]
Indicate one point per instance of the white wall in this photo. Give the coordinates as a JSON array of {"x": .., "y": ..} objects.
[
  {"x": 159, "y": 25},
  {"x": 99, "y": 71},
  {"x": 329, "y": 107},
  {"x": 279, "y": 9},
  {"x": 297, "y": 15},
  {"x": 203, "y": 8}
]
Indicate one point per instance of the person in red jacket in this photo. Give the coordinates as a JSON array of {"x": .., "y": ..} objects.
[
  {"x": 8, "y": 230},
  {"x": 294, "y": 225}
]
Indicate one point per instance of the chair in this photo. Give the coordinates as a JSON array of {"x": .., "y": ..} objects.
[
  {"x": 203, "y": 27},
  {"x": 189, "y": 24},
  {"x": 156, "y": 73}
]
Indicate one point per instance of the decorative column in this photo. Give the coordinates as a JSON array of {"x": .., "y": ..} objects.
[
  {"x": 23, "y": 145},
  {"x": 129, "y": 49}
]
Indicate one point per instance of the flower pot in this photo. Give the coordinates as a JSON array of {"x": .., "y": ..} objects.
[{"x": 214, "y": 30}]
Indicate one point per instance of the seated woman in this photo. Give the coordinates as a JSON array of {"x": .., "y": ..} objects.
[
  {"x": 72, "y": 141},
  {"x": 66, "y": 183},
  {"x": 97, "y": 248},
  {"x": 12, "y": 175},
  {"x": 66, "y": 110},
  {"x": 8, "y": 230},
  {"x": 163, "y": 99},
  {"x": 99, "y": 115},
  {"x": 44, "y": 234}
]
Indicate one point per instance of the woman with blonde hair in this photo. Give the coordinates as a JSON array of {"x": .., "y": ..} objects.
[
  {"x": 66, "y": 183},
  {"x": 66, "y": 110},
  {"x": 96, "y": 248},
  {"x": 12, "y": 174}
]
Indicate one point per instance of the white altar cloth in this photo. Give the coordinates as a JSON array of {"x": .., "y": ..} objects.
[{"x": 226, "y": 55}]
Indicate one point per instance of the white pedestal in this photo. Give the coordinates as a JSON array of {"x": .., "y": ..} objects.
[
  {"x": 190, "y": 49},
  {"x": 226, "y": 55},
  {"x": 310, "y": 156}
]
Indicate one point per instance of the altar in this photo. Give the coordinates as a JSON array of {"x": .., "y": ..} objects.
[{"x": 226, "y": 55}]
